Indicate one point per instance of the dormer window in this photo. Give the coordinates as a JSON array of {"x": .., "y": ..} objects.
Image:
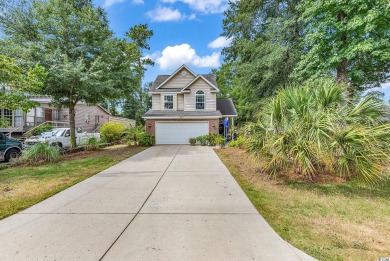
[
  {"x": 199, "y": 100},
  {"x": 168, "y": 102}
]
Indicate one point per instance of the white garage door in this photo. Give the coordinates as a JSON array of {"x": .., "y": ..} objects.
[{"x": 179, "y": 132}]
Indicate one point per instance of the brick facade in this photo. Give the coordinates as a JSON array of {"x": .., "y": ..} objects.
[{"x": 150, "y": 125}]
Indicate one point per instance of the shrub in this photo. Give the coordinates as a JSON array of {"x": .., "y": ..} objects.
[
  {"x": 192, "y": 141},
  {"x": 145, "y": 139},
  {"x": 112, "y": 131},
  {"x": 212, "y": 139},
  {"x": 92, "y": 144},
  {"x": 239, "y": 142},
  {"x": 219, "y": 140},
  {"x": 314, "y": 129},
  {"x": 203, "y": 139},
  {"x": 41, "y": 129},
  {"x": 40, "y": 153}
]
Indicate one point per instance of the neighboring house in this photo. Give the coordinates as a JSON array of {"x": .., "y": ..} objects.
[
  {"x": 88, "y": 117},
  {"x": 185, "y": 105}
]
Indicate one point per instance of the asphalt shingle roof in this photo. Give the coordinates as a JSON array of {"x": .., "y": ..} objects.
[
  {"x": 162, "y": 78},
  {"x": 226, "y": 107}
]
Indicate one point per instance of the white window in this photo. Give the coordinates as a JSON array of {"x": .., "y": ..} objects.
[
  {"x": 168, "y": 102},
  {"x": 199, "y": 99}
]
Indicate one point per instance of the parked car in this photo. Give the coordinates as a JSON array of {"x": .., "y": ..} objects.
[
  {"x": 61, "y": 137},
  {"x": 9, "y": 148}
]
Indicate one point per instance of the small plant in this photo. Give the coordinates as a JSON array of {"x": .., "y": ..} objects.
[
  {"x": 92, "y": 144},
  {"x": 211, "y": 139},
  {"x": 41, "y": 129},
  {"x": 219, "y": 140},
  {"x": 145, "y": 139},
  {"x": 112, "y": 131},
  {"x": 237, "y": 143},
  {"x": 192, "y": 141},
  {"x": 203, "y": 139},
  {"x": 40, "y": 153}
]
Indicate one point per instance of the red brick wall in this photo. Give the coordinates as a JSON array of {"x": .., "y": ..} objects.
[
  {"x": 213, "y": 126},
  {"x": 150, "y": 125}
]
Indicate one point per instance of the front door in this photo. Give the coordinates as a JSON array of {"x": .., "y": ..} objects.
[{"x": 48, "y": 114}]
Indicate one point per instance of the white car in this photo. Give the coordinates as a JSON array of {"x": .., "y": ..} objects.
[{"x": 61, "y": 137}]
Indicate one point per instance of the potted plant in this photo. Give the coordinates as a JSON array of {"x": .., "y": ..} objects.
[
  {"x": 192, "y": 141},
  {"x": 203, "y": 139},
  {"x": 219, "y": 141}
]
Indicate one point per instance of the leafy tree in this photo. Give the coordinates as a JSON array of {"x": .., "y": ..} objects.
[
  {"x": 71, "y": 39},
  {"x": 139, "y": 101},
  {"x": 264, "y": 50},
  {"x": 16, "y": 83},
  {"x": 349, "y": 38},
  {"x": 136, "y": 105}
]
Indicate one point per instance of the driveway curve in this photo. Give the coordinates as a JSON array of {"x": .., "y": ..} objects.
[{"x": 165, "y": 203}]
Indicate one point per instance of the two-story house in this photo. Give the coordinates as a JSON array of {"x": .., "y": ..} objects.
[{"x": 185, "y": 105}]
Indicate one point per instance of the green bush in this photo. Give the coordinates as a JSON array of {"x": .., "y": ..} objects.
[
  {"x": 40, "y": 153},
  {"x": 212, "y": 139},
  {"x": 238, "y": 143},
  {"x": 203, "y": 139},
  {"x": 92, "y": 144},
  {"x": 314, "y": 129},
  {"x": 112, "y": 131},
  {"x": 192, "y": 141},
  {"x": 145, "y": 139},
  {"x": 41, "y": 129},
  {"x": 219, "y": 140}
]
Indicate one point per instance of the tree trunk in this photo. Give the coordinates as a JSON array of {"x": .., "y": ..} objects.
[
  {"x": 342, "y": 68},
  {"x": 72, "y": 122}
]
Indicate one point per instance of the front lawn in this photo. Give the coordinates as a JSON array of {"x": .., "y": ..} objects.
[
  {"x": 335, "y": 221},
  {"x": 24, "y": 186}
]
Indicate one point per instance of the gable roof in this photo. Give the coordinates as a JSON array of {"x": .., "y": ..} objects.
[
  {"x": 200, "y": 76},
  {"x": 226, "y": 107},
  {"x": 176, "y": 72},
  {"x": 162, "y": 79}
]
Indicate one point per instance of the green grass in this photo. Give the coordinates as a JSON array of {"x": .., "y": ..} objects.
[
  {"x": 344, "y": 221},
  {"x": 24, "y": 186}
]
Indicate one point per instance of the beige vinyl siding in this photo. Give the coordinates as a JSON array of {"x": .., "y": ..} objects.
[
  {"x": 156, "y": 102},
  {"x": 174, "y": 101},
  {"x": 210, "y": 98},
  {"x": 124, "y": 121},
  {"x": 178, "y": 81},
  {"x": 180, "y": 102}
]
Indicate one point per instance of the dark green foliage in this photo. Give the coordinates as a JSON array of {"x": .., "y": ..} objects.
[
  {"x": 351, "y": 38},
  {"x": 41, "y": 129},
  {"x": 312, "y": 128},
  {"x": 40, "y": 153},
  {"x": 145, "y": 139},
  {"x": 93, "y": 144}
]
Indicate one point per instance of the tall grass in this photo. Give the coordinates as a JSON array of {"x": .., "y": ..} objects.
[
  {"x": 40, "y": 153},
  {"x": 314, "y": 129}
]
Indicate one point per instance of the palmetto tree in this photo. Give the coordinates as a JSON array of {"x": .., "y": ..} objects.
[{"x": 313, "y": 129}]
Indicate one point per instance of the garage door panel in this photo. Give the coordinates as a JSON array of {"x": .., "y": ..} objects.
[{"x": 179, "y": 132}]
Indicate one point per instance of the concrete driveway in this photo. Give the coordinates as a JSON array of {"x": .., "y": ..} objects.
[{"x": 166, "y": 203}]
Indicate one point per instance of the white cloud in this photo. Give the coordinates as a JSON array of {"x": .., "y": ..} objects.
[
  {"x": 204, "y": 6},
  {"x": 108, "y": 3},
  {"x": 174, "y": 56},
  {"x": 220, "y": 42},
  {"x": 164, "y": 14}
]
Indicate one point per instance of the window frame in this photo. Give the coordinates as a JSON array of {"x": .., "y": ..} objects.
[
  {"x": 167, "y": 102},
  {"x": 200, "y": 94}
]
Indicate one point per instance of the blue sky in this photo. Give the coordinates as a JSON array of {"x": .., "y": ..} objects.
[{"x": 185, "y": 31}]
